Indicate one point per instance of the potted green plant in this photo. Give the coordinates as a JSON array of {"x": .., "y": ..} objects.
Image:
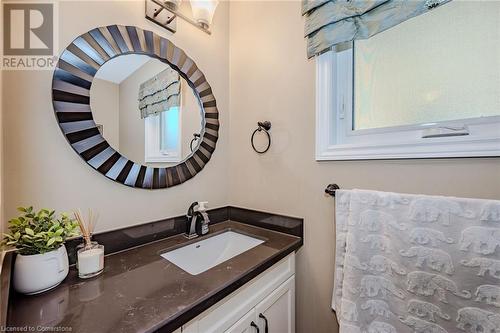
[{"x": 42, "y": 260}]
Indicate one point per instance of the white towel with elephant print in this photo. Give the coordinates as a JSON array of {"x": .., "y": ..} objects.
[{"x": 415, "y": 263}]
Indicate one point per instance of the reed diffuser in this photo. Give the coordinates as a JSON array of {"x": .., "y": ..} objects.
[{"x": 90, "y": 254}]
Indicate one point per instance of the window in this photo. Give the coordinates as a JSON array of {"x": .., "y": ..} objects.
[
  {"x": 429, "y": 87},
  {"x": 163, "y": 137}
]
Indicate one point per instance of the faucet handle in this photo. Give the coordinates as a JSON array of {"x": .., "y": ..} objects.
[
  {"x": 202, "y": 205},
  {"x": 190, "y": 211}
]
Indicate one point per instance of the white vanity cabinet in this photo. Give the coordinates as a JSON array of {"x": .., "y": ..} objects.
[
  {"x": 269, "y": 296},
  {"x": 245, "y": 325},
  {"x": 276, "y": 313},
  {"x": 278, "y": 309}
]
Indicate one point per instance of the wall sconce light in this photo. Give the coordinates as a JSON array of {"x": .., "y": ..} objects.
[
  {"x": 203, "y": 11},
  {"x": 165, "y": 12}
]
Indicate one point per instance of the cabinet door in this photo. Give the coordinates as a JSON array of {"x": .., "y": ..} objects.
[
  {"x": 278, "y": 309},
  {"x": 220, "y": 317},
  {"x": 246, "y": 324}
]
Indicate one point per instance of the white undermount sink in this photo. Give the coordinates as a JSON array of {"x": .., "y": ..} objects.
[{"x": 201, "y": 256}]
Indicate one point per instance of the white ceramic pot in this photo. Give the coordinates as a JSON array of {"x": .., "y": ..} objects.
[{"x": 36, "y": 273}]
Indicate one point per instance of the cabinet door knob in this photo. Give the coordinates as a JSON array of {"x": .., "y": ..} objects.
[
  {"x": 266, "y": 328},
  {"x": 255, "y": 325}
]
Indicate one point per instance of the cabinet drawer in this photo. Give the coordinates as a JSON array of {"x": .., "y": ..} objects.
[{"x": 228, "y": 311}]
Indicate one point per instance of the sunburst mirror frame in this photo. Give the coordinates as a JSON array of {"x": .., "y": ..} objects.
[{"x": 71, "y": 83}]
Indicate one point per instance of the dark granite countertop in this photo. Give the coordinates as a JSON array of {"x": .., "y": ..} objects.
[{"x": 140, "y": 291}]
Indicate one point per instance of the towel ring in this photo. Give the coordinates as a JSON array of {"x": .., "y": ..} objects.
[
  {"x": 196, "y": 137},
  {"x": 262, "y": 126}
]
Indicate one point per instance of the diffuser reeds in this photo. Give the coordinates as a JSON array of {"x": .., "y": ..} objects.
[{"x": 86, "y": 226}]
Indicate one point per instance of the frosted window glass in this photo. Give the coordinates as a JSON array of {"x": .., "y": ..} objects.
[
  {"x": 440, "y": 66},
  {"x": 170, "y": 130}
]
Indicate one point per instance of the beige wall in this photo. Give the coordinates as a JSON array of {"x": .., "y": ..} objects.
[
  {"x": 105, "y": 104},
  {"x": 191, "y": 117},
  {"x": 272, "y": 80},
  {"x": 131, "y": 125},
  {"x": 43, "y": 170}
]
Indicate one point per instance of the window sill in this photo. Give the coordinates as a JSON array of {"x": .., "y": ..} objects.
[
  {"x": 424, "y": 148},
  {"x": 162, "y": 159}
]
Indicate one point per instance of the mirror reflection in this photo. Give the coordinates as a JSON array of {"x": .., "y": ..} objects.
[{"x": 146, "y": 110}]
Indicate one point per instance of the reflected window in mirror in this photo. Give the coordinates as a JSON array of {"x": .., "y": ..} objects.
[
  {"x": 163, "y": 134},
  {"x": 148, "y": 112},
  {"x": 428, "y": 87}
]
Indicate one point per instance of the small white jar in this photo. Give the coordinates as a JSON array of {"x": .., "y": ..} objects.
[{"x": 90, "y": 260}]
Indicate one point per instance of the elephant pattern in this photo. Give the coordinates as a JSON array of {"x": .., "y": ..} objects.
[
  {"x": 377, "y": 307},
  {"x": 427, "y": 236},
  {"x": 435, "y": 259},
  {"x": 428, "y": 210},
  {"x": 488, "y": 294},
  {"x": 349, "y": 310},
  {"x": 485, "y": 265},
  {"x": 490, "y": 212},
  {"x": 478, "y": 320},
  {"x": 482, "y": 240},
  {"x": 347, "y": 328},
  {"x": 427, "y": 284},
  {"x": 422, "y": 326},
  {"x": 413, "y": 263},
  {"x": 373, "y": 286},
  {"x": 426, "y": 311},
  {"x": 373, "y": 220},
  {"x": 342, "y": 203},
  {"x": 377, "y": 242},
  {"x": 381, "y": 327},
  {"x": 380, "y": 264},
  {"x": 389, "y": 200},
  {"x": 354, "y": 262}
]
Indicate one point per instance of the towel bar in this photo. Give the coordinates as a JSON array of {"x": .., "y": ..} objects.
[{"x": 331, "y": 188}]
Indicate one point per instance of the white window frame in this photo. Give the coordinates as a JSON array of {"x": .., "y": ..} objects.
[
  {"x": 152, "y": 139},
  {"x": 335, "y": 139}
]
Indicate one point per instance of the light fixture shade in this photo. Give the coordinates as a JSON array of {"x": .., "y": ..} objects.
[{"x": 203, "y": 11}]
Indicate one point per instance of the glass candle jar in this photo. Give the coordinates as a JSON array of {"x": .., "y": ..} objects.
[{"x": 90, "y": 260}]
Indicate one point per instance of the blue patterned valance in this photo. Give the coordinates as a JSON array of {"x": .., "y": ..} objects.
[
  {"x": 332, "y": 22},
  {"x": 160, "y": 93}
]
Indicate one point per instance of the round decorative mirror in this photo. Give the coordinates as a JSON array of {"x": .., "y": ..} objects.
[{"x": 135, "y": 107}]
